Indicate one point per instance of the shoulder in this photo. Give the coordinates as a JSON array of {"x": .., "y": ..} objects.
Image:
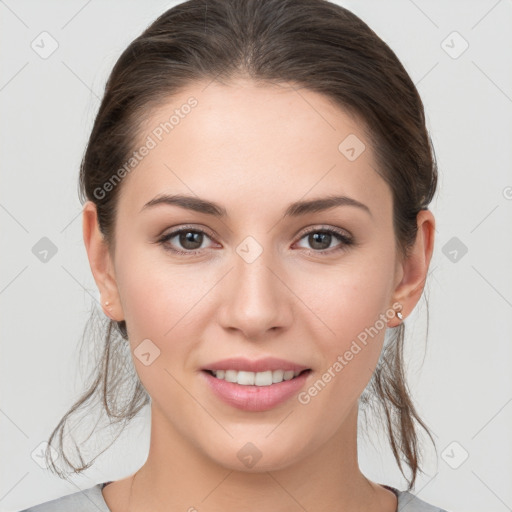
[
  {"x": 408, "y": 502},
  {"x": 88, "y": 500}
]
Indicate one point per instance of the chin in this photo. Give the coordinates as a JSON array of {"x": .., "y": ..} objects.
[{"x": 256, "y": 457}]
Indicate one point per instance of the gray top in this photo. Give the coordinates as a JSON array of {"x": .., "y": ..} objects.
[{"x": 91, "y": 500}]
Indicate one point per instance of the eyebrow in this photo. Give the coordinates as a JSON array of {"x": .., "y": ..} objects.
[{"x": 295, "y": 209}]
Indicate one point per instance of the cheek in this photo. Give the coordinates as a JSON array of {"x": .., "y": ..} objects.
[
  {"x": 349, "y": 298},
  {"x": 350, "y": 346},
  {"x": 154, "y": 295},
  {"x": 349, "y": 323},
  {"x": 158, "y": 305}
]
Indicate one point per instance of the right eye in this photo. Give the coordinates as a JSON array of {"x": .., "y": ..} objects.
[{"x": 190, "y": 240}]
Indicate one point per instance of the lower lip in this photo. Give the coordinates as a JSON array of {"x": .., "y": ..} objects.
[{"x": 255, "y": 398}]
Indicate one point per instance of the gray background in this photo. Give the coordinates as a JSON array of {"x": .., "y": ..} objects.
[{"x": 463, "y": 389}]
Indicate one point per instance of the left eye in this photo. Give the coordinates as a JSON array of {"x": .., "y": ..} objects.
[
  {"x": 192, "y": 240},
  {"x": 321, "y": 239}
]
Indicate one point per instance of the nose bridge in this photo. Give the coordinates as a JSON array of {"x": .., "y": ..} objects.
[{"x": 257, "y": 297}]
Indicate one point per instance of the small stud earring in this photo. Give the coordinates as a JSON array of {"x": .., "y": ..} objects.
[
  {"x": 108, "y": 307},
  {"x": 399, "y": 315}
]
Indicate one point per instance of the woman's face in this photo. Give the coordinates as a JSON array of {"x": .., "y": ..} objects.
[{"x": 254, "y": 282}]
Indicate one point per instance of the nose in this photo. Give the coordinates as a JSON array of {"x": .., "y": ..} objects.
[{"x": 255, "y": 299}]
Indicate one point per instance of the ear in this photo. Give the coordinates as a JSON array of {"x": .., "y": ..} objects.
[
  {"x": 413, "y": 269},
  {"x": 101, "y": 263}
]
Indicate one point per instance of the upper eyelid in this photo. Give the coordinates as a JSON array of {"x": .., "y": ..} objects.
[
  {"x": 317, "y": 227},
  {"x": 179, "y": 229}
]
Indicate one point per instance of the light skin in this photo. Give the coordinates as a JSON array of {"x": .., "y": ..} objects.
[{"x": 254, "y": 150}]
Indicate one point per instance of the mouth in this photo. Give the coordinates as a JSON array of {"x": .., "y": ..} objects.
[
  {"x": 260, "y": 379},
  {"x": 256, "y": 391}
]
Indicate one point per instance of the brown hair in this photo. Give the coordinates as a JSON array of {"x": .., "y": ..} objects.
[{"x": 313, "y": 44}]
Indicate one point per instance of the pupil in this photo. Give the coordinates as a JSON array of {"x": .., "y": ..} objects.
[
  {"x": 190, "y": 237},
  {"x": 316, "y": 238}
]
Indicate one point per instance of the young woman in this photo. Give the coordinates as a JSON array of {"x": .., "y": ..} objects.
[{"x": 256, "y": 189}]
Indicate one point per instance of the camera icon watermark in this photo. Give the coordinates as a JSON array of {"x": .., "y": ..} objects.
[
  {"x": 249, "y": 249},
  {"x": 44, "y": 45},
  {"x": 454, "y": 249},
  {"x": 454, "y": 45},
  {"x": 455, "y": 455},
  {"x": 351, "y": 147},
  {"x": 44, "y": 249},
  {"x": 146, "y": 352},
  {"x": 38, "y": 454},
  {"x": 249, "y": 455}
]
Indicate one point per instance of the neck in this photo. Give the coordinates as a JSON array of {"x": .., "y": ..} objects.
[{"x": 177, "y": 476}]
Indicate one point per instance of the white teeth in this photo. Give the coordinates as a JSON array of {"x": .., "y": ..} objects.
[{"x": 266, "y": 378}]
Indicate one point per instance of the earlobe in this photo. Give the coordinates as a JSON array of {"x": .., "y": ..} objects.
[
  {"x": 100, "y": 262},
  {"x": 415, "y": 265}
]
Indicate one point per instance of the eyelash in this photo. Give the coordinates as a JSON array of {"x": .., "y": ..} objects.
[{"x": 346, "y": 240}]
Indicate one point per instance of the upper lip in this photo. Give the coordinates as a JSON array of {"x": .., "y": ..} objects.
[{"x": 257, "y": 365}]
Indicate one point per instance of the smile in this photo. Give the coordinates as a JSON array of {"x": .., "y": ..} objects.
[{"x": 265, "y": 378}]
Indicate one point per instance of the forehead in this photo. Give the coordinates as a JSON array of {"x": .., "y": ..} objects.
[{"x": 244, "y": 143}]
